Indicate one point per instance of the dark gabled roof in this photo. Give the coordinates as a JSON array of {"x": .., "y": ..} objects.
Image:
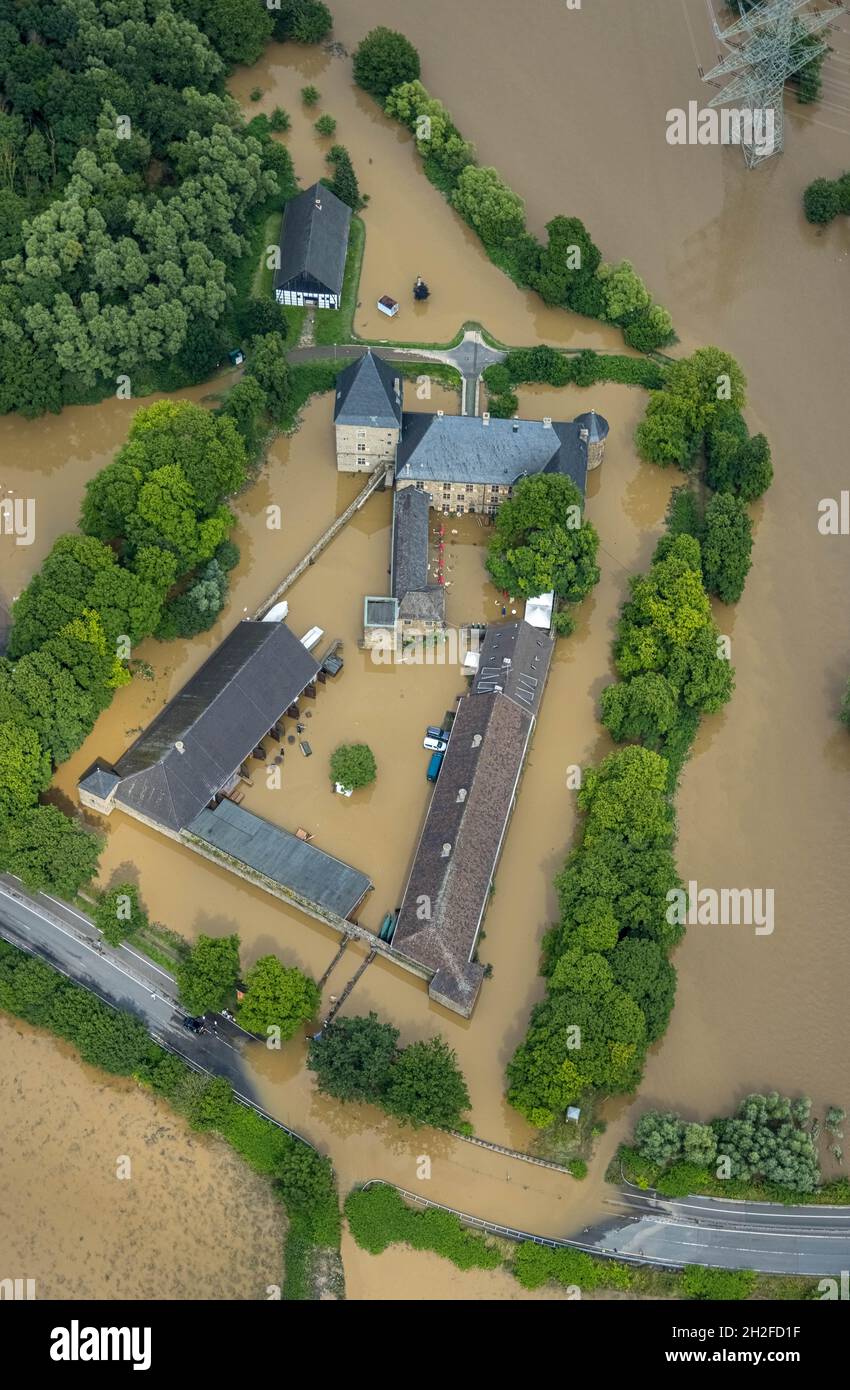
[
  {"x": 369, "y": 392},
  {"x": 417, "y": 599},
  {"x": 218, "y": 717},
  {"x": 459, "y": 847},
  {"x": 308, "y": 874},
  {"x": 465, "y": 449},
  {"x": 314, "y": 240},
  {"x": 514, "y": 660}
]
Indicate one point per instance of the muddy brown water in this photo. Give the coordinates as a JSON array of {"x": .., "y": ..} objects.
[
  {"x": 570, "y": 106},
  {"x": 186, "y": 1219}
]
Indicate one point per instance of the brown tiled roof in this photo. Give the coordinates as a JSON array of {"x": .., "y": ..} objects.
[{"x": 460, "y": 842}]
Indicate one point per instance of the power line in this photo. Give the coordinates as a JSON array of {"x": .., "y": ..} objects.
[{"x": 765, "y": 46}]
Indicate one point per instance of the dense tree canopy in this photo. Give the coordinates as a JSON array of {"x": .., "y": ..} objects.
[
  {"x": 541, "y": 542},
  {"x": 383, "y": 60},
  {"x": 49, "y": 852},
  {"x": 278, "y": 997},
  {"x": 207, "y": 977}
]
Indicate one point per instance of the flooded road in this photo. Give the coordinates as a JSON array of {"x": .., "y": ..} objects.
[
  {"x": 571, "y": 108},
  {"x": 189, "y": 1221}
]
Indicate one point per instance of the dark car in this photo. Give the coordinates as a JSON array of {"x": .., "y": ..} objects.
[
  {"x": 194, "y": 1025},
  {"x": 433, "y": 732}
]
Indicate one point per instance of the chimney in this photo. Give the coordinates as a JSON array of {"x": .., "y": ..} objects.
[
  {"x": 485, "y": 418},
  {"x": 440, "y": 414},
  {"x": 547, "y": 422},
  {"x": 584, "y": 434},
  {"x": 515, "y": 425},
  {"x": 180, "y": 746},
  {"x": 397, "y": 386}
]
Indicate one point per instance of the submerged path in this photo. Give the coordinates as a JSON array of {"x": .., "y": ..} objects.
[{"x": 647, "y": 1228}]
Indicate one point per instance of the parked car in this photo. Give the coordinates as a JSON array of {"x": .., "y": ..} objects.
[
  {"x": 434, "y": 766},
  {"x": 435, "y": 745},
  {"x": 194, "y": 1025},
  {"x": 433, "y": 732}
]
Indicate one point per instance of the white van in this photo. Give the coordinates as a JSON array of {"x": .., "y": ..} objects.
[{"x": 435, "y": 745}]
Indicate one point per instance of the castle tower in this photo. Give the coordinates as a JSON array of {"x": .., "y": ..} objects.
[{"x": 594, "y": 431}]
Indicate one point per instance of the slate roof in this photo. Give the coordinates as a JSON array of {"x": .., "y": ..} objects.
[
  {"x": 314, "y": 241},
  {"x": 100, "y": 780},
  {"x": 219, "y": 717},
  {"x": 596, "y": 425},
  {"x": 514, "y": 660},
  {"x": 379, "y": 611},
  {"x": 463, "y": 449},
  {"x": 369, "y": 392},
  {"x": 303, "y": 870},
  {"x": 459, "y": 847},
  {"x": 417, "y": 598}
]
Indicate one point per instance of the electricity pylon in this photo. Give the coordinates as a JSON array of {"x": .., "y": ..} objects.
[{"x": 765, "y": 49}]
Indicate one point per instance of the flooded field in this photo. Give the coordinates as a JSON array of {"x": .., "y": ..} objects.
[
  {"x": 190, "y": 1222},
  {"x": 571, "y": 109}
]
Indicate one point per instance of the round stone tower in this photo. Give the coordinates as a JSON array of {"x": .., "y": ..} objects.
[{"x": 594, "y": 431}]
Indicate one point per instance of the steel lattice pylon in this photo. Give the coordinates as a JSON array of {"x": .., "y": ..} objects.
[{"x": 765, "y": 49}]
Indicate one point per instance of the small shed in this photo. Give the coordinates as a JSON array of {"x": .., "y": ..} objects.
[{"x": 388, "y": 305}]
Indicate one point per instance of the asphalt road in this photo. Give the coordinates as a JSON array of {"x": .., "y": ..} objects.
[
  {"x": 643, "y": 1228},
  {"x": 765, "y": 1236},
  {"x": 68, "y": 941}
]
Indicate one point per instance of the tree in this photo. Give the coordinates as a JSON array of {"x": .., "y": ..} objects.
[
  {"x": 353, "y": 765},
  {"x": 51, "y": 853},
  {"x": 626, "y": 296},
  {"x": 119, "y": 913},
  {"x": 427, "y": 1086},
  {"x": 666, "y": 433},
  {"x": 707, "y": 381},
  {"x": 700, "y": 1145},
  {"x": 207, "y": 977},
  {"x": 726, "y": 547},
  {"x": 305, "y": 21},
  {"x": 736, "y": 461},
  {"x": 353, "y": 1058},
  {"x": 626, "y": 795},
  {"x": 240, "y": 32},
  {"x": 541, "y": 541},
  {"x": 267, "y": 365},
  {"x": 196, "y": 609},
  {"x": 344, "y": 182},
  {"x": 383, "y": 60},
  {"x": 822, "y": 201},
  {"x": 277, "y": 997},
  {"x": 490, "y": 207},
  {"x": 325, "y": 125},
  {"x": 652, "y": 328},
  {"x": 644, "y": 708},
  {"x": 24, "y": 769},
  {"x": 310, "y": 96},
  {"x": 659, "y": 1136},
  {"x": 641, "y": 968}
]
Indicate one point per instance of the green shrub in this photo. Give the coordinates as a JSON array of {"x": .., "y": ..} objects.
[
  {"x": 383, "y": 60},
  {"x": 379, "y": 1217},
  {"x": 310, "y": 96},
  {"x": 718, "y": 1285}
]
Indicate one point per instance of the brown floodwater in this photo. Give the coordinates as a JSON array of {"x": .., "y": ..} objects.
[
  {"x": 570, "y": 106},
  {"x": 186, "y": 1220}
]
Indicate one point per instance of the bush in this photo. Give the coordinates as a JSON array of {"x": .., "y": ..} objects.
[
  {"x": 279, "y": 120},
  {"x": 353, "y": 765},
  {"x": 325, "y": 125},
  {"x": 379, "y": 1217},
  {"x": 503, "y": 407},
  {"x": 310, "y": 96},
  {"x": 383, "y": 60},
  {"x": 718, "y": 1285},
  {"x": 535, "y": 1265}
]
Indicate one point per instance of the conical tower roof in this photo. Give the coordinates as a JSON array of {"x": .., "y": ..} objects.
[{"x": 596, "y": 425}]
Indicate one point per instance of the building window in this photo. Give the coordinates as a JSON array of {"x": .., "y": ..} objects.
[
  {"x": 469, "y": 487},
  {"x": 445, "y": 509},
  {"x": 460, "y": 511},
  {"x": 361, "y": 448}
]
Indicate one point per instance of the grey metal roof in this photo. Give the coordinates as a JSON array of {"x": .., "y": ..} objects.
[
  {"x": 305, "y": 872},
  {"x": 218, "y": 718},
  {"x": 314, "y": 239},
  {"x": 514, "y": 660},
  {"x": 460, "y": 843},
  {"x": 465, "y": 449},
  {"x": 417, "y": 598},
  {"x": 369, "y": 392},
  {"x": 596, "y": 425}
]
